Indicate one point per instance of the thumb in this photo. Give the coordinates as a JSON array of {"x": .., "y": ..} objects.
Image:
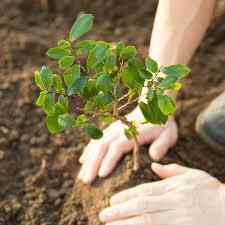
[{"x": 166, "y": 171}]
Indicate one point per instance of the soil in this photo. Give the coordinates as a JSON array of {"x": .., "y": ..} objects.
[{"x": 37, "y": 170}]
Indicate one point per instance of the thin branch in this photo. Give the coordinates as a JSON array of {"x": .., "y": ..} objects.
[
  {"x": 83, "y": 68},
  {"x": 123, "y": 97},
  {"x": 116, "y": 100},
  {"x": 121, "y": 108},
  {"x": 96, "y": 115}
]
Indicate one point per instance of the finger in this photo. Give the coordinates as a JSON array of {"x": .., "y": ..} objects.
[
  {"x": 86, "y": 150},
  {"x": 123, "y": 145},
  {"x": 148, "y": 189},
  {"x": 140, "y": 220},
  {"x": 115, "y": 152},
  {"x": 158, "y": 218},
  {"x": 109, "y": 135},
  {"x": 148, "y": 133},
  {"x": 165, "y": 141},
  {"x": 90, "y": 168},
  {"x": 166, "y": 171},
  {"x": 137, "y": 207},
  {"x": 81, "y": 173}
]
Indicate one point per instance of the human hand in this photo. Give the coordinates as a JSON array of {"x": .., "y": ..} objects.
[
  {"x": 185, "y": 197},
  {"x": 101, "y": 156}
]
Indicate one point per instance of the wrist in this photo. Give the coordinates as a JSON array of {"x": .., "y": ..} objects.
[
  {"x": 136, "y": 114},
  {"x": 222, "y": 193}
]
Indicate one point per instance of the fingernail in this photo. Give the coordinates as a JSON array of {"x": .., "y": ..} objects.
[
  {"x": 156, "y": 166},
  {"x": 114, "y": 200},
  {"x": 86, "y": 178},
  {"x": 80, "y": 159},
  {"x": 103, "y": 172},
  {"x": 105, "y": 215},
  {"x": 155, "y": 154},
  {"x": 80, "y": 173}
]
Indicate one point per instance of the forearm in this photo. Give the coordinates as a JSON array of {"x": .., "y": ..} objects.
[
  {"x": 178, "y": 29},
  {"x": 223, "y": 196}
]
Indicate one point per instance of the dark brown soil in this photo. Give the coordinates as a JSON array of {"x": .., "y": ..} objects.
[{"x": 38, "y": 184}]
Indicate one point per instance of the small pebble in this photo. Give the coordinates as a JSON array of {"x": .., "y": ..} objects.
[
  {"x": 2, "y": 155},
  {"x": 57, "y": 202}
]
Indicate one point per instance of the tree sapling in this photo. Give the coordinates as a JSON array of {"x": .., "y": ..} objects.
[{"x": 98, "y": 81}]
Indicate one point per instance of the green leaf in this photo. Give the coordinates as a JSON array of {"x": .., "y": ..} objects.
[
  {"x": 81, "y": 26},
  {"x": 52, "y": 124},
  {"x": 152, "y": 112},
  {"x": 66, "y": 120},
  {"x": 57, "y": 83},
  {"x": 150, "y": 95},
  {"x": 104, "y": 83},
  {"x": 46, "y": 77},
  {"x": 64, "y": 44},
  {"x": 103, "y": 101},
  {"x": 58, "y": 53},
  {"x": 110, "y": 61},
  {"x": 128, "y": 52},
  {"x": 176, "y": 87},
  {"x": 49, "y": 103},
  {"x": 96, "y": 56},
  {"x": 166, "y": 104},
  {"x": 90, "y": 104},
  {"x": 77, "y": 86},
  {"x": 179, "y": 70},
  {"x": 90, "y": 89},
  {"x": 131, "y": 78},
  {"x": 81, "y": 121},
  {"x": 38, "y": 80},
  {"x": 41, "y": 99},
  {"x": 106, "y": 119},
  {"x": 136, "y": 64},
  {"x": 151, "y": 65},
  {"x": 168, "y": 82},
  {"x": 63, "y": 101},
  {"x": 71, "y": 74},
  {"x": 62, "y": 105},
  {"x": 130, "y": 132},
  {"x": 83, "y": 47},
  {"x": 100, "y": 68},
  {"x": 119, "y": 48},
  {"x": 93, "y": 131},
  {"x": 139, "y": 66},
  {"x": 66, "y": 62}
]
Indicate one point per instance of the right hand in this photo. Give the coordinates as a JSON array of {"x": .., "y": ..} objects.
[
  {"x": 101, "y": 156},
  {"x": 185, "y": 197}
]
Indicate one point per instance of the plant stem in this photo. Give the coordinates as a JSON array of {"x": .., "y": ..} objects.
[
  {"x": 123, "y": 97},
  {"x": 123, "y": 107},
  {"x": 136, "y": 156},
  {"x": 124, "y": 120}
]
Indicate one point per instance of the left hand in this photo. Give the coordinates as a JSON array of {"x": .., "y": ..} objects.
[
  {"x": 101, "y": 156},
  {"x": 185, "y": 197}
]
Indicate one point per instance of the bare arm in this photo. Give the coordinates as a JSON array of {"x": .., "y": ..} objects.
[{"x": 179, "y": 28}]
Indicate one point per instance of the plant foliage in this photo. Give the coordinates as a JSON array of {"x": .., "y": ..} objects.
[{"x": 102, "y": 80}]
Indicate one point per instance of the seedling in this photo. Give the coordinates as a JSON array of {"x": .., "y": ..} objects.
[{"x": 98, "y": 81}]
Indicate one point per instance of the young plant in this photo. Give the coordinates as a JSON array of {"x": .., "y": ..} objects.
[{"x": 98, "y": 81}]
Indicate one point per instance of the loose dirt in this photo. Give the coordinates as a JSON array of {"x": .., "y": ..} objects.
[{"x": 38, "y": 171}]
